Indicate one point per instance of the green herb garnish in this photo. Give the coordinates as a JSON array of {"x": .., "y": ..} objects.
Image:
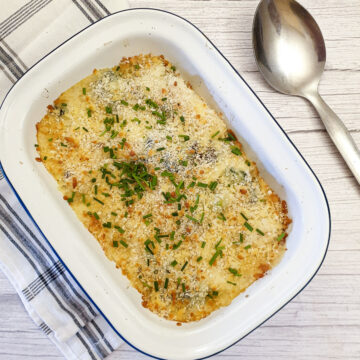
[
  {"x": 222, "y": 217},
  {"x": 234, "y": 272},
  {"x": 248, "y": 226},
  {"x": 184, "y": 266},
  {"x": 235, "y": 150},
  {"x": 280, "y": 237},
  {"x": 123, "y": 243},
  {"x": 185, "y": 137}
]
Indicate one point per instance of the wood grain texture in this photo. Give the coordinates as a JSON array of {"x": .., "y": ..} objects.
[{"x": 323, "y": 322}]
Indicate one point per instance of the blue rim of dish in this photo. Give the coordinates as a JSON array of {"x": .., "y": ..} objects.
[{"x": 268, "y": 111}]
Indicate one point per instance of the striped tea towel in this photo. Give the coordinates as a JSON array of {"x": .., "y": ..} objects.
[{"x": 28, "y": 31}]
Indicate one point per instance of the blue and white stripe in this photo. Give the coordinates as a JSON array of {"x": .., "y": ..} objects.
[{"x": 54, "y": 300}]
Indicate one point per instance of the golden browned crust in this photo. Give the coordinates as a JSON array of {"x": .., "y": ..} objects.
[{"x": 165, "y": 188}]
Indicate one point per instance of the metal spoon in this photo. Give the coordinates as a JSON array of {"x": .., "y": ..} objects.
[{"x": 290, "y": 53}]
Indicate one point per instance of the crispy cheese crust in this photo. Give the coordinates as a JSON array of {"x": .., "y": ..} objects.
[{"x": 153, "y": 173}]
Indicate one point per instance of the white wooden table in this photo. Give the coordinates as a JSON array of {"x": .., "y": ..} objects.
[{"x": 323, "y": 322}]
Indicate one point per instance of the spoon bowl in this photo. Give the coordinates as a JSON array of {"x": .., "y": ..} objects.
[
  {"x": 290, "y": 52},
  {"x": 290, "y": 48}
]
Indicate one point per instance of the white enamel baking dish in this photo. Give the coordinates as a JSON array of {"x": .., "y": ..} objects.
[{"x": 103, "y": 44}]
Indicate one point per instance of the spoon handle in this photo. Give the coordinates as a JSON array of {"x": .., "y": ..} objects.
[{"x": 338, "y": 133}]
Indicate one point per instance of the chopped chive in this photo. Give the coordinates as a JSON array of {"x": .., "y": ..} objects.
[
  {"x": 241, "y": 237},
  {"x": 247, "y": 162},
  {"x": 202, "y": 218},
  {"x": 178, "y": 222},
  {"x": 222, "y": 217},
  {"x": 182, "y": 119},
  {"x": 147, "y": 216},
  {"x": 184, "y": 266},
  {"x": 213, "y": 135},
  {"x": 156, "y": 286},
  {"x": 123, "y": 124},
  {"x": 229, "y": 282},
  {"x": 234, "y": 271},
  {"x": 160, "y": 149},
  {"x": 83, "y": 198},
  {"x": 45, "y": 157},
  {"x": 183, "y": 287},
  {"x": 119, "y": 229},
  {"x": 115, "y": 243},
  {"x": 212, "y": 260},
  {"x": 147, "y": 89},
  {"x": 99, "y": 201},
  {"x": 166, "y": 283},
  {"x": 114, "y": 213},
  {"x": 96, "y": 189},
  {"x": 70, "y": 200},
  {"x": 105, "y": 194},
  {"x": 193, "y": 208},
  {"x": 203, "y": 244},
  {"x": 114, "y": 134},
  {"x": 123, "y": 102},
  {"x": 173, "y": 68},
  {"x": 85, "y": 129},
  {"x": 164, "y": 99},
  {"x": 107, "y": 225},
  {"x": 108, "y": 109},
  {"x": 126, "y": 214},
  {"x": 96, "y": 216},
  {"x": 185, "y": 137},
  {"x": 231, "y": 136},
  {"x": 202, "y": 185},
  {"x": 192, "y": 218},
  {"x": 123, "y": 243},
  {"x": 122, "y": 144},
  {"x": 247, "y": 247},
  {"x": 280, "y": 237},
  {"x": 173, "y": 263},
  {"x": 199, "y": 258},
  {"x": 260, "y": 232},
  {"x": 183, "y": 162},
  {"x": 244, "y": 216},
  {"x": 175, "y": 246},
  {"x": 175, "y": 213},
  {"x": 235, "y": 150},
  {"x": 248, "y": 226},
  {"x": 84, "y": 91},
  {"x": 213, "y": 185},
  {"x": 137, "y": 66},
  {"x": 36, "y": 145},
  {"x": 62, "y": 144},
  {"x": 51, "y": 139},
  {"x": 93, "y": 180}
]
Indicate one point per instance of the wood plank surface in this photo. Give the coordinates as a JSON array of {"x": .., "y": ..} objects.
[{"x": 323, "y": 322}]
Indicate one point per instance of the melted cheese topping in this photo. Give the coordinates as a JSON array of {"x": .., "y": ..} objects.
[{"x": 156, "y": 177}]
